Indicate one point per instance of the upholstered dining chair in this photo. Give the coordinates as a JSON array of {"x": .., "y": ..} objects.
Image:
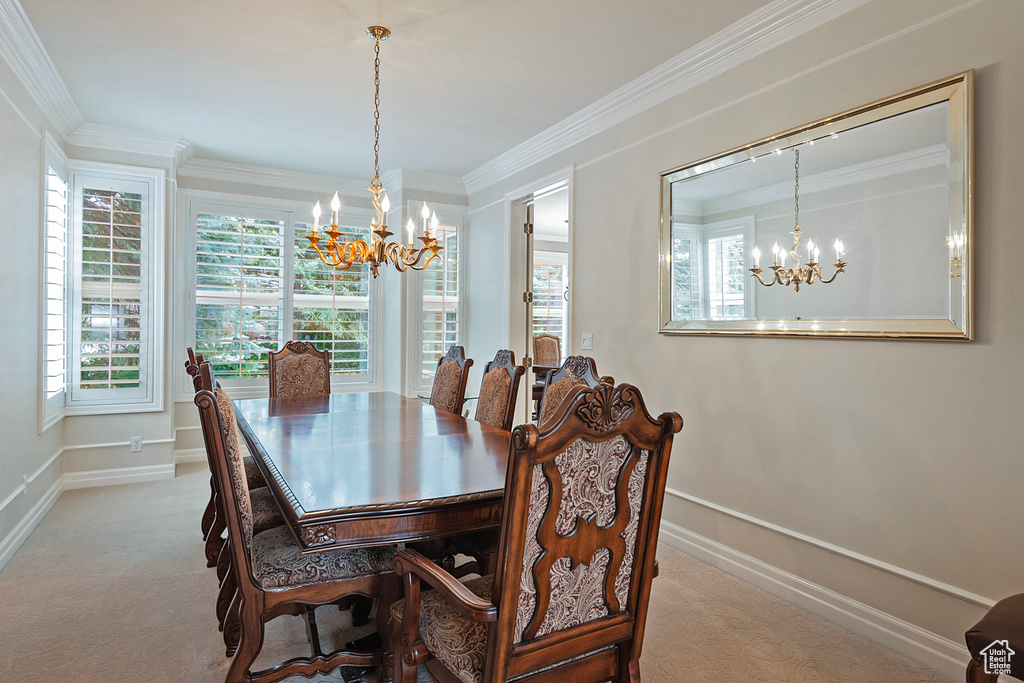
[
  {"x": 449, "y": 390},
  {"x": 999, "y": 633},
  {"x": 499, "y": 388},
  {"x": 547, "y": 351},
  {"x": 265, "y": 515},
  {"x": 575, "y": 371},
  {"x": 583, "y": 500},
  {"x": 214, "y": 536},
  {"x": 298, "y": 370},
  {"x": 210, "y": 513},
  {"x": 272, "y": 575}
]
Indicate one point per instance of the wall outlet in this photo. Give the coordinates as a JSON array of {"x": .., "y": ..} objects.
[
  {"x": 136, "y": 444},
  {"x": 588, "y": 341}
]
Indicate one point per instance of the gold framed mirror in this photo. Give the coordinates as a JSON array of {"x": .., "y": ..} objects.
[{"x": 857, "y": 225}]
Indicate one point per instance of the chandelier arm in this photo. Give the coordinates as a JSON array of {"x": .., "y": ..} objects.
[
  {"x": 756, "y": 272},
  {"x": 840, "y": 268}
]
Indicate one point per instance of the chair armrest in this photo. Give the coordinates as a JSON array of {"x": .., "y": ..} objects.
[{"x": 408, "y": 561}]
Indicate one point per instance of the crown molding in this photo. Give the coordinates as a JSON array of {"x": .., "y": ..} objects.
[
  {"x": 96, "y": 136},
  {"x": 24, "y": 52},
  {"x": 425, "y": 181},
  {"x": 224, "y": 171},
  {"x": 687, "y": 207},
  {"x": 905, "y": 162},
  {"x": 770, "y": 26}
]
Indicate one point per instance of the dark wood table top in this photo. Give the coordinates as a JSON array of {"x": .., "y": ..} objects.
[{"x": 363, "y": 468}]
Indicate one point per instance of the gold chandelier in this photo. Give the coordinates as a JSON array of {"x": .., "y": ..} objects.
[
  {"x": 797, "y": 274},
  {"x": 380, "y": 252}
]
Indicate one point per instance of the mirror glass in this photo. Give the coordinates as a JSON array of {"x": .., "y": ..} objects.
[{"x": 857, "y": 225}]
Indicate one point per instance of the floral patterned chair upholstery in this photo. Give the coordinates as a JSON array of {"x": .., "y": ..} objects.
[
  {"x": 299, "y": 370},
  {"x": 271, "y": 574},
  {"x": 449, "y": 390},
  {"x": 583, "y": 500},
  {"x": 576, "y": 371},
  {"x": 498, "y": 390}
]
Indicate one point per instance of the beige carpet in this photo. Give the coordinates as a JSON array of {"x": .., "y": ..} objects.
[{"x": 112, "y": 587}]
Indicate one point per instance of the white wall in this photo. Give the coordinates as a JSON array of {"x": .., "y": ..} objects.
[
  {"x": 886, "y": 472},
  {"x": 23, "y": 451}
]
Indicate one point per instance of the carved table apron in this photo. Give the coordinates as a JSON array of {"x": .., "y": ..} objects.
[{"x": 363, "y": 469}]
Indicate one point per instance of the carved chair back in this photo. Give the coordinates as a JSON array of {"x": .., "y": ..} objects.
[
  {"x": 547, "y": 350},
  {"x": 299, "y": 369},
  {"x": 498, "y": 390},
  {"x": 583, "y": 500},
  {"x": 191, "y": 366},
  {"x": 575, "y": 372},
  {"x": 449, "y": 390},
  {"x": 225, "y": 450}
]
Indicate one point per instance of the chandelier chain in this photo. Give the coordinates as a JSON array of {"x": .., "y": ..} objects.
[
  {"x": 796, "y": 192},
  {"x": 376, "y": 110}
]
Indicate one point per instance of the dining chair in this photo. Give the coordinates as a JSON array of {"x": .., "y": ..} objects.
[
  {"x": 449, "y": 390},
  {"x": 579, "y": 530},
  {"x": 272, "y": 575},
  {"x": 499, "y": 388},
  {"x": 575, "y": 371},
  {"x": 1000, "y": 633},
  {"x": 547, "y": 350},
  {"x": 299, "y": 369},
  {"x": 210, "y": 513},
  {"x": 265, "y": 515},
  {"x": 267, "y": 509}
]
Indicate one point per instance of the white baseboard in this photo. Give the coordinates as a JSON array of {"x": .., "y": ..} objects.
[
  {"x": 118, "y": 475},
  {"x": 939, "y": 653},
  {"x": 189, "y": 455},
  {"x": 20, "y": 533}
]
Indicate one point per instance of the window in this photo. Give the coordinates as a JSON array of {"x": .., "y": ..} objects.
[
  {"x": 441, "y": 289},
  {"x": 53, "y": 333},
  {"x": 709, "y": 274},
  {"x": 116, "y": 306},
  {"x": 550, "y": 282},
  {"x": 244, "y": 256},
  {"x": 239, "y": 309}
]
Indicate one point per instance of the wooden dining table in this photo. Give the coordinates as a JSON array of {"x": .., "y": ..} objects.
[{"x": 361, "y": 469}]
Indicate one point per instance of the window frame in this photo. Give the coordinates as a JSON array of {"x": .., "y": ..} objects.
[
  {"x": 193, "y": 202},
  {"x": 458, "y": 217},
  {"x": 150, "y": 396},
  {"x": 701, "y": 233},
  {"x": 52, "y": 408}
]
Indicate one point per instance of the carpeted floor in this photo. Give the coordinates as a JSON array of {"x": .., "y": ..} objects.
[{"x": 112, "y": 587}]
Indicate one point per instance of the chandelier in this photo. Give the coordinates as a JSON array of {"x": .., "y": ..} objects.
[
  {"x": 797, "y": 274},
  {"x": 379, "y": 252}
]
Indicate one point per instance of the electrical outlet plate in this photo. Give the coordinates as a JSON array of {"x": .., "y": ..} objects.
[
  {"x": 136, "y": 444},
  {"x": 588, "y": 341}
]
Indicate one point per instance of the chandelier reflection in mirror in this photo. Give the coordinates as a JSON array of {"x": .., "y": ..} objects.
[
  {"x": 380, "y": 252},
  {"x": 797, "y": 274}
]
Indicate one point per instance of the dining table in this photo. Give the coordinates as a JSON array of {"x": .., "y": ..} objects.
[{"x": 360, "y": 469}]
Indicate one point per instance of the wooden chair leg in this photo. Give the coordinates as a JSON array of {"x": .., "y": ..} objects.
[
  {"x": 976, "y": 673},
  {"x": 228, "y": 588},
  {"x": 210, "y": 512},
  {"x": 233, "y": 625},
  {"x": 388, "y": 590},
  {"x": 250, "y": 642},
  {"x": 224, "y": 560},
  {"x": 214, "y": 541},
  {"x": 361, "y": 608}
]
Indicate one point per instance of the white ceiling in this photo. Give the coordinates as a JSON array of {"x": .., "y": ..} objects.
[{"x": 290, "y": 84}]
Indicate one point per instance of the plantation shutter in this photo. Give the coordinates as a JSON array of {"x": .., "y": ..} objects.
[
  {"x": 441, "y": 301},
  {"x": 239, "y": 309},
  {"x": 110, "y": 311},
  {"x": 55, "y": 259}
]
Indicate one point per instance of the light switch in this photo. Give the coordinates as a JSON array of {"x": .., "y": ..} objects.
[{"x": 588, "y": 341}]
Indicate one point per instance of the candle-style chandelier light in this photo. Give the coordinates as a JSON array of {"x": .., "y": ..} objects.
[
  {"x": 797, "y": 274},
  {"x": 380, "y": 252}
]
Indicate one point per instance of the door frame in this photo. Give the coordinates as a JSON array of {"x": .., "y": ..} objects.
[{"x": 515, "y": 284}]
